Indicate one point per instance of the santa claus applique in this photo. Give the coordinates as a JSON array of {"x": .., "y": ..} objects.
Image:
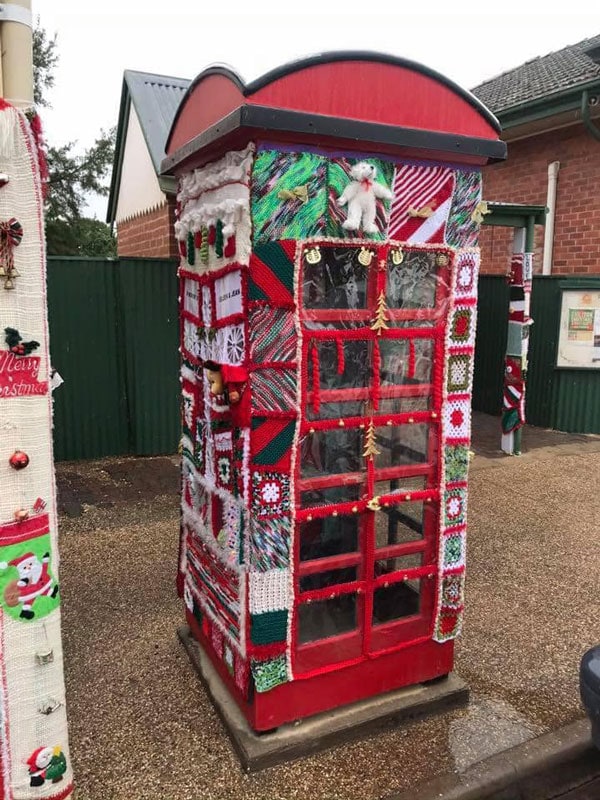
[
  {"x": 46, "y": 764},
  {"x": 34, "y": 581}
]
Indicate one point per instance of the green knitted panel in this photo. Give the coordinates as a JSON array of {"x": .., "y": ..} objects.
[
  {"x": 456, "y": 461},
  {"x": 462, "y": 230},
  {"x": 277, "y": 448},
  {"x": 274, "y": 256},
  {"x": 269, "y": 627},
  {"x": 255, "y": 292},
  {"x": 276, "y": 217},
  {"x": 269, "y": 674}
]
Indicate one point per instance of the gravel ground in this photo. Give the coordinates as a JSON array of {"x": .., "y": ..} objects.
[{"x": 140, "y": 724}]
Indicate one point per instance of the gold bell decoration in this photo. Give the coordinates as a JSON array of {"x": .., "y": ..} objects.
[
  {"x": 397, "y": 256},
  {"x": 420, "y": 213},
  {"x": 297, "y": 193},
  {"x": 11, "y": 233},
  {"x": 481, "y": 209},
  {"x": 373, "y": 504},
  {"x": 313, "y": 255},
  {"x": 366, "y": 256},
  {"x": 442, "y": 260}
]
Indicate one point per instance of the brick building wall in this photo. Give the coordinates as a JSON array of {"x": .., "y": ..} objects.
[
  {"x": 523, "y": 178},
  {"x": 149, "y": 235}
]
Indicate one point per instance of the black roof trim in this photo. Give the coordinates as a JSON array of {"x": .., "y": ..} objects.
[
  {"x": 332, "y": 57},
  {"x": 264, "y": 119},
  {"x": 124, "y": 108}
]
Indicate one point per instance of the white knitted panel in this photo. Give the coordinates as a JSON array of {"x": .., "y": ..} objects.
[
  {"x": 233, "y": 167},
  {"x": 26, "y": 424},
  {"x": 269, "y": 591},
  {"x": 218, "y": 191}
]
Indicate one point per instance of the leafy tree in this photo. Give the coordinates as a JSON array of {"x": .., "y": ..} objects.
[
  {"x": 80, "y": 237},
  {"x": 72, "y": 177},
  {"x": 45, "y": 59}
]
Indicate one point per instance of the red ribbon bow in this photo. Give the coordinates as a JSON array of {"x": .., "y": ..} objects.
[
  {"x": 366, "y": 184},
  {"x": 11, "y": 233}
]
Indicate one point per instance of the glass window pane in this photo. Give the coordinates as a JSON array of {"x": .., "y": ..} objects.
[
  {"x": 399, "y": 524},
  {"x": 321, "y": 580},
  {"x": 414, "y": 323},
  {"x": 396, "y": 601},
  {"x": 401, "y": 486},
  {"x": 404, "y": 405},
  {"x": 396, "y": 369},
  {"x": 356, "y": 362},
  {"x": 325, "y": 618},
  {"x": 330, "y": 452},
  {"x": 397, "y": 564},
  {"x": 329, "y": 537},
  {"x": 413, "y": 283},
  {"x": 345, "y": 493},
  {"x": 337, "y": 280},
  {"x": 402, "y": 444},
  {"x": 354, "y": 408}
]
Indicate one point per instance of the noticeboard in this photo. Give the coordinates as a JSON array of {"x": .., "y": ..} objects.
[{"x": 579, "y": 334}]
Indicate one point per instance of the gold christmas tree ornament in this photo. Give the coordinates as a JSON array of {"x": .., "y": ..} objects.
[
  {"x": 370, "y": 448},
  {"x": 380, "y": 323}
]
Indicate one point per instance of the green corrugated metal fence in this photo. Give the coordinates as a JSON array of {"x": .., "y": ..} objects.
[
  {"x": 114, "y": 341},
  {"x": 563, "y": 399}
]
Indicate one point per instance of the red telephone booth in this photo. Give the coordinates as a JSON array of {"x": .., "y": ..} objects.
[{"x": 328, "y": 216}]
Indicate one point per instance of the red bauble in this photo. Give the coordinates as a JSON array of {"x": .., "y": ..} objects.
[{"x": 19, "y": 460}]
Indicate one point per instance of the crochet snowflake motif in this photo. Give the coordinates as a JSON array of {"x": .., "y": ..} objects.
[
  {"x": 224, "y": 470},
  {"x": 235, "y": 344},
  {"x": 271, "y": 493},
  {"x": 454, "y": 506}
]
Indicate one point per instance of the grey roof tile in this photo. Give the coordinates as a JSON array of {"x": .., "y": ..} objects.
[
  {"x": 541, "y": 77},
  {"x": 155, "y": 99}
]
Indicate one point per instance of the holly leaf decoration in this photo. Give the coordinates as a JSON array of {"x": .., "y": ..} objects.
[{"x": 16, "y": 345}]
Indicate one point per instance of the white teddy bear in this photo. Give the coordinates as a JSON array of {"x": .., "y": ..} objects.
[{"x": 360, "y": 195}]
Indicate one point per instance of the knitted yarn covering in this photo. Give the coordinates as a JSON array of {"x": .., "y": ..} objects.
[
  {"x": 34, "y": 749},
  {"x": 350, "y": 348}
]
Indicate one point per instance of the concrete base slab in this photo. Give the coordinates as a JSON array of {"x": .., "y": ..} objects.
[{"x": 323, "y": 731}]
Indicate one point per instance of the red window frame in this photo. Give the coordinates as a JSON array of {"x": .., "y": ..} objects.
[{"x": 368, "y": 639}]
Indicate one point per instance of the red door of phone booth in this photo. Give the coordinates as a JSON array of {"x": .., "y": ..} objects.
[
  {"x": 328, "y": 272},
  {"x": 367, "y": 516}
]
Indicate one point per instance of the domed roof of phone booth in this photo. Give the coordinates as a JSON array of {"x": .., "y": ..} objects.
[{"x": 353, "y": 99}]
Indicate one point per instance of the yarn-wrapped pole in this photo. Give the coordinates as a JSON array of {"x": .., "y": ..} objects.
[{"x": 11, "y": 233}]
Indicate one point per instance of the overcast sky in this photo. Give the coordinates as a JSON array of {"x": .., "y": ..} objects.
[{"x": 466, "y": 40}]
